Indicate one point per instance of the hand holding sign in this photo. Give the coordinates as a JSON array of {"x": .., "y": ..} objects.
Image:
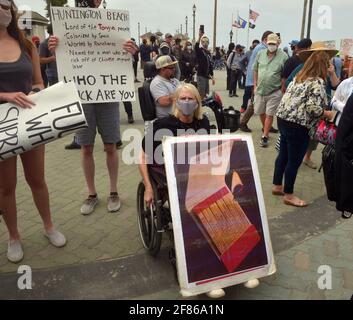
[{"x": 17, "y": 98}]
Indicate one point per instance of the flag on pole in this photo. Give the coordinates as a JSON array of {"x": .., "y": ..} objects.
[
  {"x": 236, "y": 24},
  {"x": 253, "y": 15},
  {"x": 251, "y": 25},
  {"x": 242, "y": 23}
]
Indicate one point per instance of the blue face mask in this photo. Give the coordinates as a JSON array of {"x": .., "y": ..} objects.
[{"x": 187, "y": 107}]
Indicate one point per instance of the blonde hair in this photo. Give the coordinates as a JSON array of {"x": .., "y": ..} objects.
[
  {"x": 315, "y": 67},
  {"x": 350, "y": 70},
  {"x": 198, "y": 113}
]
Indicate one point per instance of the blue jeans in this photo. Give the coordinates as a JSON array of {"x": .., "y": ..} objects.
[{"x": 293, "y": 146}]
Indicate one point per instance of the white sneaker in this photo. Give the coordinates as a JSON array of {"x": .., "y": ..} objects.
[
  {"x": 56, "y": 238},
  {"x": 216, "y": 294},
  {"x": 113, "y": 203},
  {"x": 88, "y": 205},
  {"x": 251, "y": 284},
  {"x": 14, "y": 251}
]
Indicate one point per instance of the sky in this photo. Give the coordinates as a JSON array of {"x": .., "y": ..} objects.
[{"x": 277, "y": 15}]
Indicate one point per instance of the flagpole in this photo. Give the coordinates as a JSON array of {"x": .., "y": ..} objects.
[
  {"x": 247, "y": 43},
  {"x": 236, "y": 31}
]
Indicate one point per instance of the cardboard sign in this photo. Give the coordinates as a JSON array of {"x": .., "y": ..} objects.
[
  {"x": 346, "y": 48},
  {"x": 58, "y": 112},
  {"x": 219, "y": 219},
  {"x": 90, "y": 53}
]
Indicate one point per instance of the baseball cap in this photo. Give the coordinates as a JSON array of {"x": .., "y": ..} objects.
[
  {"x": 163, "y": 45},
  {"x": 294, "y": 43},
  {"x": 238, "y": 46},
  {"x": 168, "y": 35},
  {"x": 272, "y": 39},
  {"x": 164, "y": 61}
]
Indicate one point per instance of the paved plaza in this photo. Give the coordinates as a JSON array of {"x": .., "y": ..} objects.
[{"x": 104, "y": 257}]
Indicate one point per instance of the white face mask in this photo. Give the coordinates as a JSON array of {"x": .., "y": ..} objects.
[
  {"x": 190, "y": 47},
  {"x": 5, "y": 18},
  {"x": 272, "y": 48}
]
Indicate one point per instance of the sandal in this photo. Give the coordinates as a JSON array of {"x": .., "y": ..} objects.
[
  {"x": 276, "y": 192},
  {"x": 296, "y": 202}
]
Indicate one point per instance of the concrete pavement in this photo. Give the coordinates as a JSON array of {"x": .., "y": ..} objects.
[{"x": 106, "y": 242}]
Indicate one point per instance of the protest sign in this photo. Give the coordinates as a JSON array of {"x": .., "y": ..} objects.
[
  {"x": 346, "y": 48},
  {"x": 90, "y": 53},
  {"x": 57, "y": 112},
  {"x": 220, "y": 226}
]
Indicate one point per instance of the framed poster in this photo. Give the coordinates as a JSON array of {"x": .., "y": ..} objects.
[{"x": 219, "y": 218}]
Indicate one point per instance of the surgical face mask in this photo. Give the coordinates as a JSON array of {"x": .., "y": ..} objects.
[
  {"x": 5, "y": 18},
  {"x": 189, "y": 47},
  {"x": 187, "y": 107},
  {"x": 272, "y": 48}
]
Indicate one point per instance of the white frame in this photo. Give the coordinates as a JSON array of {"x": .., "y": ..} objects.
[{"x": 230, "y": 279}]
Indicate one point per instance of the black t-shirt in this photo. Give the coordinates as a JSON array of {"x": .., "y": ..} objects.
[
  {"x": 173, "y": 127},
  {"x": 291, "y": 64}
]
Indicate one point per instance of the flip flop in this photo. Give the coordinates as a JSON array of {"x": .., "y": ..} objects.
[
  {"x": 299, "y": 204},
  {"x": 278, "y": 193}
]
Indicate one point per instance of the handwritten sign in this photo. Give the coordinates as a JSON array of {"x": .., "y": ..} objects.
[
  {"x": 58, "y": 112},
  {"x": 346, "y": 47},
  {"x": 90, "y": 53}
]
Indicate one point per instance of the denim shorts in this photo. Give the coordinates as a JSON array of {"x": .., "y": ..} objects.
[{"x": 102, "y": 116}]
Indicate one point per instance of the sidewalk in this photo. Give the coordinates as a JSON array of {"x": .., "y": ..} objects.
[{"x": 107, "y": 239}]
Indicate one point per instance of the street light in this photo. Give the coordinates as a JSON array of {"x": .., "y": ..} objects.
[
  {"x": 139, "y": 32},
  {"x": 104, "y": 4},
  {"x": 193, "y": 18},
  {"x": 311, "y": 3},
  {"x": 231, "y": 36},
  {"x": 186, "y": 25}
]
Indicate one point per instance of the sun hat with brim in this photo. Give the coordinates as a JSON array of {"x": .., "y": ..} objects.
[
  {"x": 317, "y": 46},
  {"x": 164, "y": 61}
]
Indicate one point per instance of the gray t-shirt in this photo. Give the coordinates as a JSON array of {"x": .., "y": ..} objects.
[
  {"x": 161, "y": 87},
  {"x": 44, "y": 52}
]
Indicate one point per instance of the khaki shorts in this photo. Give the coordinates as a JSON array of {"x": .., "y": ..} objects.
[{"x": 267, "y": 104}]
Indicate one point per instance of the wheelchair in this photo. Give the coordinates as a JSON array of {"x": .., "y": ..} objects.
[{"x": 156, "y": 220}]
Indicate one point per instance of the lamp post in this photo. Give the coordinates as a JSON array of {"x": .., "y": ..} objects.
[
  {"x": 231, "y": 36},
  {"x": 215, "y": 26},
  {"x": 139, "y": 32},
  {"x": 104, "y": 4},
  {"x": 193, "y": 18},
  {"x": 304, "y": 18},
  {"x": 181, "y": 28},
  {"x": 186, "y": 25},
  {"x": 311, "y": 3}
]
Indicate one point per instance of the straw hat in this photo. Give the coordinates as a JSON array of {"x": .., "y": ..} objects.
[{"x": 317, "y": 46}]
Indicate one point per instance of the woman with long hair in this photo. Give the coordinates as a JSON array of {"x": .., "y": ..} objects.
[
  {"x": 300, "y": 110},
  {"x": 20, "y": 77}
]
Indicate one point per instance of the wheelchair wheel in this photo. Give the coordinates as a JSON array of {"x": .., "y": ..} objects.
[{"x": 150, "y": 223}]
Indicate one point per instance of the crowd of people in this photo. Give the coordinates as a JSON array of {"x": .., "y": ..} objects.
[{"x": 296, "y": 89}]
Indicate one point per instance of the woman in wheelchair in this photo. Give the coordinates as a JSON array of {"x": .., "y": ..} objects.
[{"x": 187, "y": 115}]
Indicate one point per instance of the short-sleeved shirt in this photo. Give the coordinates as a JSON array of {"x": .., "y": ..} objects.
[
  {"x": 173, "y": 127},
  {"x": 303, "y": 103},
  {"x": 269, "y": 72},
  {"x": 250, "y": 72},
  {"x": 44, "y": 52},
  {"x": 291, "y": 64},
  {"x": 161, "y": 87}
]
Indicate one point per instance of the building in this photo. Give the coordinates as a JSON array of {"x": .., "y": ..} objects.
[{"x": 33, "y": 24}]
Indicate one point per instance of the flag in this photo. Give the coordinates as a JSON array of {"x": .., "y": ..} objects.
[
  {"x": 236, "y": 24},
  {"x": 242, "y": 23},
  {"x": 251, "y": 25},
  {"x": 253, "y": 15}
]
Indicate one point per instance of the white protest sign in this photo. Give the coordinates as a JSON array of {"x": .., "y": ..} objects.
[
  {"x": 58, "y": 112},
  {"x": 90, "y": 53}
]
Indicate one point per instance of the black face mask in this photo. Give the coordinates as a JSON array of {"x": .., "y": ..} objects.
[{"x": 165, "y": 51}]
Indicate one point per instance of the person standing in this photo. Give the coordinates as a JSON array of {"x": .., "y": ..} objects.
[
  {"x": 145, "y": 53},
  {"x": 233, "y": 63},
  {"x": 204, "y": 65},
  {"x": 268, "y": 68},
  {"x": 231, "y": 47},
  {"x": 105, "y": 118},
  {"x": 187, "y": 62},
  {"x": 300, "y": 110},
  {"x": 249, "y": 84},
  {"x": 19, "y": 78}
]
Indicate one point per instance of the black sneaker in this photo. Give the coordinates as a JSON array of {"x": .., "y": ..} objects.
[
  {"x": 72, "y": 146},
  {"x": 264, "y": 142},
  {"x": 273, "y": 130},
  {"x": 130, "y": 119},
  {"x": 244, "y": 128},
  {"x": 119, "y": 144}
]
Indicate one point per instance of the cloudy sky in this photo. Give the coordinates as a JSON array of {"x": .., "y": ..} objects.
[{"x": 277, "y": 15}]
